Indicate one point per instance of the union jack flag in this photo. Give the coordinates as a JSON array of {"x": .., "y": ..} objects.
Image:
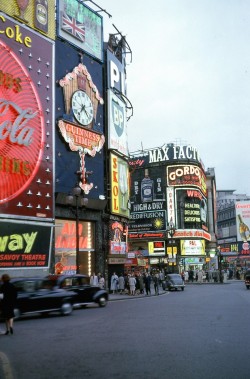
[{"x": 73, "y": 27}]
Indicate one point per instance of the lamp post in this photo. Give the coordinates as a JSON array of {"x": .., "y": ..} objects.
[
  {"x": 219, "y": 264},
  {"x": 79, "y": 202},
  {"x": 171, "y": 231}
]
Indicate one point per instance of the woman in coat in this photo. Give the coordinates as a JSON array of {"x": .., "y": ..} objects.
[
  {"x": 114, "y": 283},
  {"x": 8, "y": 303}
]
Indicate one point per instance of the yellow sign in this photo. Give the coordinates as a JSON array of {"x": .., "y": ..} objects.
[{"x": 36, "y": 14}]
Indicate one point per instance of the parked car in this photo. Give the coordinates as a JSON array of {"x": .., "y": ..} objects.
[
  {"x": 247, "y": 281},
  {"x": 85, "y": 293},
  {"x": 174, "y": 281},
  {"x": 34, "y": 295}
]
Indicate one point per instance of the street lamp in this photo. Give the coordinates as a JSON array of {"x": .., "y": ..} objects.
[
  {"x": 171, "y": 231},
  {"x": 75, "y": 199}
]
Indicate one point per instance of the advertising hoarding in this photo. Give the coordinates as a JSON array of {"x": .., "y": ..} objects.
[
  {"x": 117, "y": 124},
  {"x": 26, "y": 122},
  {"x": 79, "y": 146},
  {"x": 36, "y": 14},
  {"x": 242, "y": 211},
  {"x": 192, "y": 209},
  {"x": 148, "y": 201},
  {"x": 186, "y": 175},
  {"x": 80, "y": 26},
  {"x": 168, "y": 153},
  {"x": 65, "y": 245},
  {"x": 192, "y": 247},
  {"x": 117, "y": 237},
  {"x": 25, "y": 244},
  {"x": 116, "y": 78},
  {"x": 119, "y": 186}
]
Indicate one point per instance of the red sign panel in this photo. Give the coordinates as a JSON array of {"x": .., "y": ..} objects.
[{"x": 26, "y": 116}]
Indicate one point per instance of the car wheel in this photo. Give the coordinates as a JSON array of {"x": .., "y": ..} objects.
[
  {"x": 17, "y": 313},
  {"x": 247, "y": 287},
  {"x": 66, "y": 309},
  {"x": 102, "y": 301},
  {"x": 182, "y": 288}
]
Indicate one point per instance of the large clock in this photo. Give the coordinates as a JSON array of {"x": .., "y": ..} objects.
[{"x": 82, "y": 107}]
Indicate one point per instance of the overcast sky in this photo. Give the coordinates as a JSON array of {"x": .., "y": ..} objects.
[{"x": 189, "y": 79}]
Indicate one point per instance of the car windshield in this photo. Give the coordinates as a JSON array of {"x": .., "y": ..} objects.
[{"x": 174, "y": 276}]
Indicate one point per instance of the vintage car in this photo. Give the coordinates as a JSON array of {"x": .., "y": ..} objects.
[
  {"x": 174, "y": 282},
  {"x": 34, "y": 295},
  {"x": 247, "y": 281},
  {"x": 86, "y": 294}
]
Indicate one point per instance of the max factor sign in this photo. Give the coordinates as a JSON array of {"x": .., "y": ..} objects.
[{"x": 169, "y": 153}]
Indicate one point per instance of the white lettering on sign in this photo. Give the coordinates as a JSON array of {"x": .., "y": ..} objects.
[{"x": 116, "y": 77}]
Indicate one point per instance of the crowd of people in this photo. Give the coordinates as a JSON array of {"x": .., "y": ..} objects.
[{"x": 136, "y": 283}]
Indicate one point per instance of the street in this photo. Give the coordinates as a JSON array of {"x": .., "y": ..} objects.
[{"x": 202, "y": 332}]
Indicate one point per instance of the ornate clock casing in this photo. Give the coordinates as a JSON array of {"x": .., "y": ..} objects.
[{"x": 82, "y": 107}]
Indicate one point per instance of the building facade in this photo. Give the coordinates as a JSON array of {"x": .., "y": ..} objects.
[
  {"x": 63, "y": 149},
  {"x": 173, "y": 213}
]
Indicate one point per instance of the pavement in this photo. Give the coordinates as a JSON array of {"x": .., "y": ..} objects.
[{"x": 126, "y": 296}]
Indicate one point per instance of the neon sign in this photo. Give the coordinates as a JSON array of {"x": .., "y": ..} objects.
[{"x": 21, "y": 126}]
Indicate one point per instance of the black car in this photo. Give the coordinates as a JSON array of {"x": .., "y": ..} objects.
[
  {"x": 85, "y": 293},
  {"x": 34, "y": 295},
  {"x": 247, "y": 281},
  {"x": 174, "y": 282}
]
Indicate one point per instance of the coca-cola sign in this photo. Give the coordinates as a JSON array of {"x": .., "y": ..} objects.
[
  {"x": 21, "y": 127},
  {"x": 26, "y": 122}
]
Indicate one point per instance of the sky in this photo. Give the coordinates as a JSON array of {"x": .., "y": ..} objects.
[{"x": 189, "y": 79}]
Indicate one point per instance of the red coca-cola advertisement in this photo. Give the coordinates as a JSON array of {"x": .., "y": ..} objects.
[{"x": 26, "y": 121}]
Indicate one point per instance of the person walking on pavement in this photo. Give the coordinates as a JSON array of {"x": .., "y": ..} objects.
[
  {"x": 132, "y": 284},
  {"x": 94, "y": 280},
  {"x": 8, "y": 303},
  {"x": 147, "y": 282},
  {"x": 101, "y": 282},
  {"x": 141, "y": 283},
  {"x": 114, "y": 283},
  {"x": 156, "y": 283},
  {"x": 121, "y": 283}
]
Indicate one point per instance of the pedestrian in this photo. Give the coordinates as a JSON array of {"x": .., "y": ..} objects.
[
  {"x": 191, "y": 276},
  {"x": 121, "y": 283},
  {"x": 186, "y": 276},
  {"x": 200, "y": 276},
  {"x": 141, "y": 283},
  {"x": 156, "y": 283},
  {"x": 147, "y": 282},
  {"x": 132, "y": 284},
  {"x": 8, "y": 303},
  {"x": 114, "y": 283},
  {"x": 94, "y": 280},
  {"x": 101, "y": 282}
]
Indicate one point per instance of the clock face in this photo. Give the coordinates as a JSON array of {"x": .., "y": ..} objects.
[{"x": 82, "y": 107}]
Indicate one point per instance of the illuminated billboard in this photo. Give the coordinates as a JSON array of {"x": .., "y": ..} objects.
[
  {"x": 192, "y": 247},
  {"x": 25, "y": 244},
  {"x": 117, "y": 238},
  {"x": 79, "y": 142},
  {"x": 192, "y": 209},
  {"x": 36, "y": 14},
  {"x": 26, "y": 122},
  {"x": 81, "y": 26},
  {"x": 242, "y": 210},
  {"x": 65, "y": 246},
  {"x": 117, "y": 124},
  {"x": 148, "y": 201},
  {"x": 119, "y": 186},
  {"x": 186, "y": 175}
]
